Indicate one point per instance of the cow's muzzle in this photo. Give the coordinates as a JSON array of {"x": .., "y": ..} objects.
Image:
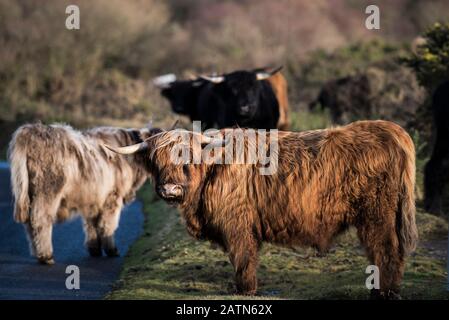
[
  {"x": 170, "y": 192},
  {"x": 244, "y": 111}
]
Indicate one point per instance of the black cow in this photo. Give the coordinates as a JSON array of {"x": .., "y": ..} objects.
[
  {"x": 437, "y": 168},
  {"x": 392, "y": 95},
  {"x": 239, "y": 98},
  {"x": 347, "y": 99}
]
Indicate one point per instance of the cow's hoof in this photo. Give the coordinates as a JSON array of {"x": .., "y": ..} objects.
[
  {"x": 46, "y": 260},
  {"x": 247, "y": 293},
  {"x": 244, "y": 292},
  {"x": 95, "y": 252},
  {"x": 380, "y": 295},
  {"x": 391, "y": 295},
  {"x": 375, "y": 294},
  {"x": 112, "y": 252}
]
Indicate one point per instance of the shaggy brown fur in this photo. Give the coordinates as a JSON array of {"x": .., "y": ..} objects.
[
  {"x": 57, "y": 171},
  {"x": 279, "y": 85},
  {"x": 361, "y": 175}
]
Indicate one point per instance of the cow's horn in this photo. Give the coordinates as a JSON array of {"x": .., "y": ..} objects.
[
  {"x": 164, "y": 81},
  {"x": 213, "y": 79},
  {"x": 263, "y": 75},
  {"x": 129, "y": 149},
  {"x": 214, "y": 142},
  {"x": 174, "y": 124}
]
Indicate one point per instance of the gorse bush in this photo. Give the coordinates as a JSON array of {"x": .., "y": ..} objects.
[{"x": 430, "y": 61}]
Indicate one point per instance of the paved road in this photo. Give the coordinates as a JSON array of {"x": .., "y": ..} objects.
[{"x": 21, "y": 277}]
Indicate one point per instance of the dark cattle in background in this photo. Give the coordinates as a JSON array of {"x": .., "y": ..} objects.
[
  {"x": 360, "y": 175},
  {"x": 256, "y": 98},
  {"x": 437, "y": 169},
  {"x": 346, "y": 98},
  {"x": 57, "y": 172},
  {"x": 280, "y": 87},
  {"x": 392, "y": 94}
]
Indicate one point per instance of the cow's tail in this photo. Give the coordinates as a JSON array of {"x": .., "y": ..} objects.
[
  {"x": 406, "y": 224},
  {"x": 17, "y": 155}
]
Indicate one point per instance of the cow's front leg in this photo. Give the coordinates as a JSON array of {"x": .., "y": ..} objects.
[
  {"x": 93, "y": 242},
  {"x": 107, "y": 224},
  {"x": 243, "y": 252}
]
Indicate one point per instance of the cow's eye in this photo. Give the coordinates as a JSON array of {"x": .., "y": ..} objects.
[{"x": 185, "y": 169}]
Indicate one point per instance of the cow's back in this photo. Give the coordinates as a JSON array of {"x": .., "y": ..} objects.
[
  {"x": 42, "y": 149},
  {"x": 66, "y": 164},
  {"x": 322, "y": 174}
]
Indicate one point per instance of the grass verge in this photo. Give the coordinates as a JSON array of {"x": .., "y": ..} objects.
[{"x": 165, "y": 263}]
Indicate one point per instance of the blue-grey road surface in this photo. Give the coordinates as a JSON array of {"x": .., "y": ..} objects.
[{"x": 21, "y": 277}]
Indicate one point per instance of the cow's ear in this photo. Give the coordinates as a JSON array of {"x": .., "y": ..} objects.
[
  {"x": 175, "y": 123},
  {"x": 166, "y": 92}
]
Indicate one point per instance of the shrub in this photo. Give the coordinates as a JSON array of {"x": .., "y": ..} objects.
[
  {"x": 47, "y": 70},
  {"x": 430, "y": 61}
]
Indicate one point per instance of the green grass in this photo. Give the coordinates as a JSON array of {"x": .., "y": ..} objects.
[
  {"x": 165, "y": 263},
  {"x": 305, "y": 120}
]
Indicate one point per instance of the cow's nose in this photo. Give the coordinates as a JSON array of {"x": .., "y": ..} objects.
[{"x": 170, "y": 190}]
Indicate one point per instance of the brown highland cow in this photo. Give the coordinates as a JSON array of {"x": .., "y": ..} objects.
[{"x": 360, "y": 175}]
